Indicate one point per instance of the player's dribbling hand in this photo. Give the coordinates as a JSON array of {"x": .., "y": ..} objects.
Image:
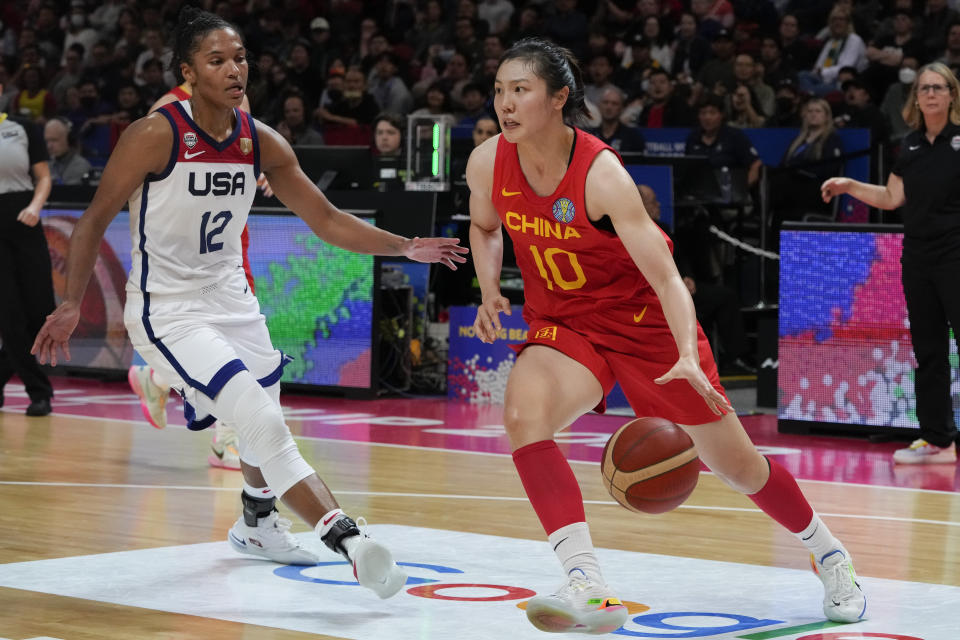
[
  {"x": 487, "y": 323},
  {"x": 834, "y": 187},
  {"x": 55, "y": 334},
  {"x": 445, "y": 250},
  {"x": 689, "y": 369}
]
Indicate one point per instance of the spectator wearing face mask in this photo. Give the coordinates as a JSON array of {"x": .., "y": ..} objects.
[
  {"x": 787, "y": 106},
  {"x": 79, "y": 31},
  {"x": 893, "y": 100}
]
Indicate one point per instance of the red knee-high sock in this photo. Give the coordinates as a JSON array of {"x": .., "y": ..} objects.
[
  {"x": 782, "y": 500},
  {"x": 550, "y": 484}
]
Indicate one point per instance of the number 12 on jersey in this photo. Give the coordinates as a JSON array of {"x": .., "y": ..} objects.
[{"x": 217, "y": 224}]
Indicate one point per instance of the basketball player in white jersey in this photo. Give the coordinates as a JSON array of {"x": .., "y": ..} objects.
[
  {"x": 150, "y": 387},
  {"x": 189, "y": 172}
]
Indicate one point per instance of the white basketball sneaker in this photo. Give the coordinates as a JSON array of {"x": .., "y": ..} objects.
[
  {"x": 581, "y": 605},
  {"x": 922, "y": 452},
  {"x": 270, "y": 539},
  {"x": 153, "y": 398},
  {"x": 225, "y": 454},
  {"x": 373, "y": 564},
  {"x": 843, "y": 598},
  {"x": 374, "y": 567}
]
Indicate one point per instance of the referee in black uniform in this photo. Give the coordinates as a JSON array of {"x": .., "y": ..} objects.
[
  {"x": 26, "y": 285},
  {"x": 925, "y": 180}
]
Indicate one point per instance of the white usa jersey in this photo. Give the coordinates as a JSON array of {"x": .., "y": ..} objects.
[{"x": 185, "y": 223}]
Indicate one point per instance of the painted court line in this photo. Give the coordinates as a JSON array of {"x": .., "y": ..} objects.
[
  {"x": 453, "y": 496},
  {"x": 487, "y": 453}
]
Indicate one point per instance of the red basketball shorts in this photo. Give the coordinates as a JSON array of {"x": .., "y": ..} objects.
[{"x": 631, "y": 344}]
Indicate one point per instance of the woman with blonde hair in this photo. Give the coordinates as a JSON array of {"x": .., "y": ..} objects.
[
  {"x": 842, "y": 48},
  {"x": 925, "y": 182},
  {"x": 817, "y": 141},
  {"x": 812, "y": 157}
]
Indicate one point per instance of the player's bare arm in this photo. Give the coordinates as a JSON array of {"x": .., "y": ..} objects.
[
  {"x": 144, "y": 148},
  {"x": 486, "y": 240},
  {"x": 610, "y": 190},
  {"x": 301, "y": 196},
  {"x": 887, "y": 197}
]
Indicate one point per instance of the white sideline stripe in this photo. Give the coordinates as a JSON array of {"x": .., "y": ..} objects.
[
  {"x": 487, "y": 453},
  {"x": 451, "y": 496}
]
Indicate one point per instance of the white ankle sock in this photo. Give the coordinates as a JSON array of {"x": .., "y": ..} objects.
[
  {"x": 574, "y": 548},
  {"x": 261, "y": 493},
  {"x": 818, "y": 539}
]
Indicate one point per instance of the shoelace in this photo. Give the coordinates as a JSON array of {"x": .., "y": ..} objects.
[
  {"x": 362, "y": 525},
  {"x": 840, "y": 575},
  {"x": 576, "y": 583},
  {"x": 280, "y": 527}
]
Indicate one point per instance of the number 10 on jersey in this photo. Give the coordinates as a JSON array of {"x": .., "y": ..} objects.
[
  {"x": 549, "y": 261},
  {"x": 219, "y": 222}
]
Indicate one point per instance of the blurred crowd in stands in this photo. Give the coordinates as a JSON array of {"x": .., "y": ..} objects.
[
  {"x": 323, "y": 71},
  {"x": 348, "y": 72}
]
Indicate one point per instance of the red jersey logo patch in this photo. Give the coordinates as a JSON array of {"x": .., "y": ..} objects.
[{"x": 546, "y": 333}]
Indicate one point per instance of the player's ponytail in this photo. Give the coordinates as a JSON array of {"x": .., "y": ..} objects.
[
  {"x": 559, "y": 68},
  {"x": 193, "y": 25}
]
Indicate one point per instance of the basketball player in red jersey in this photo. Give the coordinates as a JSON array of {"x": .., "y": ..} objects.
[
  {"x": 149, "y": 386},
  {"x": 604, "y": 303}
]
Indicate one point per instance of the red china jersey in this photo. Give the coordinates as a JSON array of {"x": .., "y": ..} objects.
[{"x": 569, "y": 267}]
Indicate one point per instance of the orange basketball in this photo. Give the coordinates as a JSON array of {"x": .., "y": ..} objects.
[{"x": 650, "y": 465}]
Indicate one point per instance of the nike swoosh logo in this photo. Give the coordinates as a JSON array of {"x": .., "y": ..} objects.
[
  {"x": 267, "y": 490},
  {"x": 508, "y": 194},
  {"x": 637, "y": 317},
  {"x": 560, "y": 543},
  {"x": 327, "y": 521},
  {"x": 187, "y": 155},
  {"x": 913, "y": 148}
]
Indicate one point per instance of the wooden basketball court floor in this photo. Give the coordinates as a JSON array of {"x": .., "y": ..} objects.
[{"x": 111, "y": 529}]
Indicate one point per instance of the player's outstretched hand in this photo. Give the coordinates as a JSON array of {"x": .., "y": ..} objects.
[
  {"x": 445, "y": 250},
  {"x": 487, "y": 323},
  {"x": 55, "y": 333},
  {"x": 689, "y": 369},
  {"x": 833, "y": 188}
]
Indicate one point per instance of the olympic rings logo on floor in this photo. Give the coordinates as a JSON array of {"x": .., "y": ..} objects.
[{"x": 651, "y": 625}]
